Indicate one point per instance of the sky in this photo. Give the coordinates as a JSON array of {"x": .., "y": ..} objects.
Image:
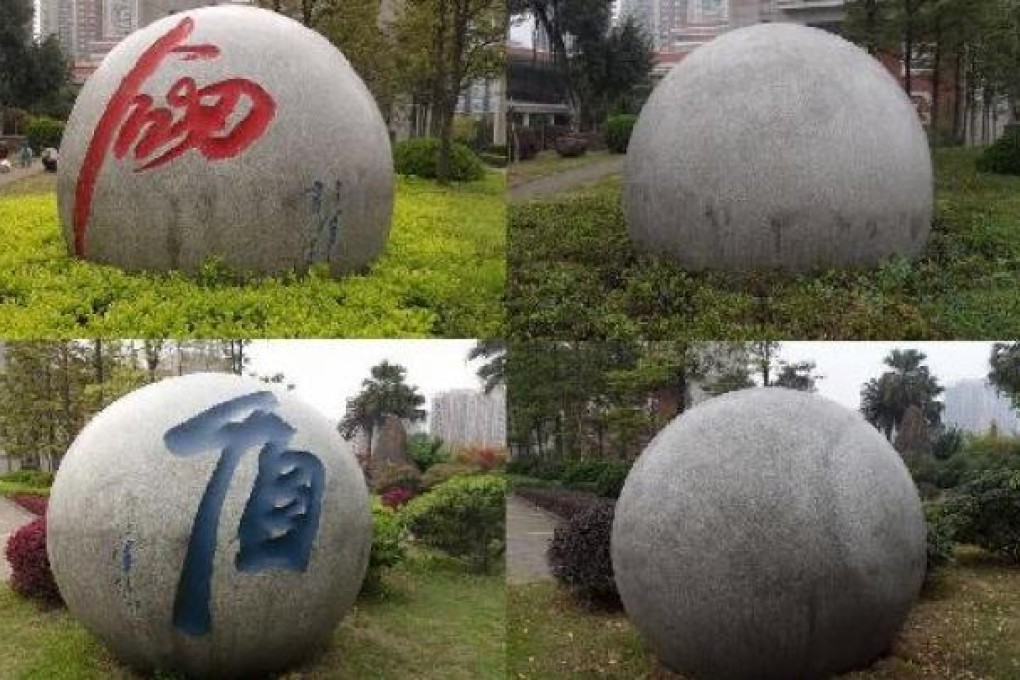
[
  {"x": 848, "y": 365},
  {"x": 327, "y": 372}
]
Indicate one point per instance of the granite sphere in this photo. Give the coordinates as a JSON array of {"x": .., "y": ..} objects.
[
  {"x": 778, "y": 146},
  {"x": 210, "y": 525},
  {"x": 226, "y": 134},
  {"x": 768, "y": 533}
]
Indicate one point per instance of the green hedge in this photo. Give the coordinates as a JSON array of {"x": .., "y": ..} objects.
[
  {"x": 1002, "y": 157},
  {"x": 618, "y": 130},
  {"x": 388, "y": 547},
  {"x": 418, "y": 157},
  {"x": 44, "y": 132}
]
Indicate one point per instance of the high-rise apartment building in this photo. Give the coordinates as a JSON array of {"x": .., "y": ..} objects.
[{"x": 470, "y": 417}]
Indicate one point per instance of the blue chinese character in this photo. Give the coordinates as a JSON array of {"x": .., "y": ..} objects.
[
  {"x": 328, "y": 213},
  {"x": 281, "y": 518}
]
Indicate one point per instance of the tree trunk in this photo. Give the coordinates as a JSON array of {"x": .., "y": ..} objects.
[
  {"x": 958, "y": 95},
  {"x": 908, "y": 46},
  {"x": 936, "y": 77}
]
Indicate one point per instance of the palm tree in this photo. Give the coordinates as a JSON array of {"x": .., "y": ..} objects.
[
  {"x": 384, "y": 393},
  {"x": 885, "y": 400},
  {"x": 493, "y": 371}
]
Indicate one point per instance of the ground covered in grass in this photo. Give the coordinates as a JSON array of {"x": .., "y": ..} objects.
[
  {"x": 572, "y": 272},
  {"x": 442, "y": 274},
  {"x": 432, "y": 620},
  {"x": 550, "y": 163},
  {"x": 966, "y": 625}
]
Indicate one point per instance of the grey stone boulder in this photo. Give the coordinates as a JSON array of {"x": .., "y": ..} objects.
[
  {"x": 226, "y": 133},
  {"x": 768, "y": 533},
  {"x": 778, "y": 146},
  {"x": 210, "y": 525}
]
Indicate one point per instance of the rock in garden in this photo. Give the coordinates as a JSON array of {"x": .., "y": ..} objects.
[
  {"x": 226, "y": 134},
  {"x": 210, "y": 525},
  {"x": 768, "y": 533},
  {"x": 779, "y": 146}
]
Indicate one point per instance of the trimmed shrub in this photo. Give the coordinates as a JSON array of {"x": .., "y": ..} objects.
[
  {"x": 44, "y": 132},
  {"x": 941, "y": 547},
  {"x": 464, "y": 517},
  {"x": 618, "y": 130},
  {"x": 391, "y": 476},
  {"x": 580, "y": 558},
  {"x": 569, "y": 146},
  {"x": 527, "y": 144},
  {"x": 426, "y": 450},
  {"x": 34, "y": 504},
  {"x": 29, "y": 478},
  {"x": 419, "y": 157},
  {"x": 986, "y": 512},
  {"x": 611, "y": 479},
  {"x": 442, "y": 472},
  {"x": 522, "y": 465},
  {"x": 564, "y": 503},
  {"x": 396, "y": 496},
  {"x": 485, "y": 458},
  {"x": 30, "y": 566},
  {"x": 388, "y": 546},
  {"x": 1002, "y": 157}
]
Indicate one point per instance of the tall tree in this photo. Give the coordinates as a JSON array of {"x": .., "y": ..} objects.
[
  {"x": 385, "y": 392},
  {"x": 493, "y": 372},
  {"x": 885, "y": 400},
  {"x": 1004, "y": 373}
]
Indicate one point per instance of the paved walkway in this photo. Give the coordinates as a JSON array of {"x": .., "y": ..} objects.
[
  {"x": 565, "y": 181},
  {"x": 12, "y": 518},
  {"x": 20, "y": 173},
  {"x": 528, "y": 531}
]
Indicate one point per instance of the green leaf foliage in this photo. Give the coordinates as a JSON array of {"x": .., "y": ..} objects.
[
  {"x": 465, "y": 517},
  {"x": 442, "y": 274},
  {"x": 418, "y": 157},
  {"x": 388, "y": 545},
  {"x": 618, "y": 131}
]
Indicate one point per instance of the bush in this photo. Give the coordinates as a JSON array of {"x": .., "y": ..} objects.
[
  {"x": 485, "y": 458},
  {"x": 611, "y": 479},
  {"x": 564, "y": 503},
  {"x": 527, "y": 144},
  {"x": 618, "y": 130},
  {"x": 388, "y": 546},
  {"x": 34, "y": 504},
  {"x": 569, "y": 146},
  {"x": 29, "y": 478},
  {"x": 419, "y": 156},
  {"x": 396, "y": 496},
  {"x": 464, "y": 517},
  {"x": 391, "y": 476},
  {"x": 1002, "y": 157},
  {"x": 580, "y": 558},
  {"x": 30, "y": 566},
  {"x": 522, "y": 465},
  {"x": 986, "y": 512},
  {"x": 426, "y": 450},
  {"x": 44, "y": 132},
  {"x": 443, "y": 472},
  {"x": 941, "y": 547}
]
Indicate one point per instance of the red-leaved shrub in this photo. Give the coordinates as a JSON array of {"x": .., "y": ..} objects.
[
  {"x": 34, "y": 504},
  {"x": 30, "y": 567},
  {"x": 396, "y": 496}
]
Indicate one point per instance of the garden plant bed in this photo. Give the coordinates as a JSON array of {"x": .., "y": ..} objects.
[
  {"x": 442, "y": 274},
  {"x": 574, "y": 274}
]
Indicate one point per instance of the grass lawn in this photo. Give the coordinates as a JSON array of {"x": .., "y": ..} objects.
[
  {"x": 442, "y": 274},
  {"x": 432, "y": 621},
  {"x": 573, "y": 274},
  {"x": 967, "y": 625},
  {"x": 549, "y": 163}
]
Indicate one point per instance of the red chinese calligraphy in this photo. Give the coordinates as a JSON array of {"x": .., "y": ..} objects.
[{"x": 199, "y": 118}]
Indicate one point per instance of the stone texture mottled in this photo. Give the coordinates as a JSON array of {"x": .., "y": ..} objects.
[
  {"x": 765, "y": 534},
  {"x": 778, "y": 146},
  {"x": 123, "y": 510},
  {"x": 307, "y": 178}
]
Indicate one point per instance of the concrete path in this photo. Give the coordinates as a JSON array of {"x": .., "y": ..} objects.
[
  {"x": 21, "y": 173},
  {"x": 528, "y": 532},
  {"x": 565, "y": 181},
  {"x": 12, "y": 518}
]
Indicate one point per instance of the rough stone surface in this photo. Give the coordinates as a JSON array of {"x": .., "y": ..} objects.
[
  {"x": 131, "y": 543},
  {"x": 277, "y": 156},
  {"x": 389, "y": 446},
  {"x": 768, "y": 533},
  {"x": 778, "y": 146}
]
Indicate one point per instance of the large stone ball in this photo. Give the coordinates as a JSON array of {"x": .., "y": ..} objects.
[
  {"x": 768, "y": 534},
  {"x": 228, "y": 134},
  {"x": 778, "y": 146},
  {"x": 209, "y": 525}
]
